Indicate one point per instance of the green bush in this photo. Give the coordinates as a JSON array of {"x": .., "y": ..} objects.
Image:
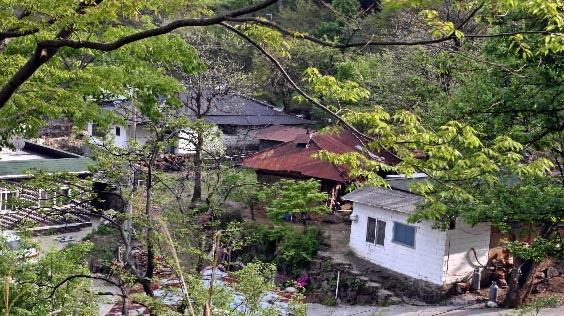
[
  {"x": 289, "y": 248},
  {"x": 296, "y": 251},
  {"x": 105, "y": 230},
  {"x": 267, "y": 239}
]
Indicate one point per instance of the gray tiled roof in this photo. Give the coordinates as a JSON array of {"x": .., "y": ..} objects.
[
  {"x": 390, "y": 199},
  {"x": 244, "y": 111},
  {"x": 229, "y": 110}
]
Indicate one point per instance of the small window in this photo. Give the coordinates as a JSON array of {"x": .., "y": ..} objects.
[
  {"x": 65, "y": 191},
  {"x": 63, "y": 197},
  {"x": 380, "y": 232},
  {"x": 452, "y": 224},
  {"x": 228, "y": 129},
  {"x": 404, "y": 234},
  {"x": 45, "y": 198},
  {"x": 97, "y": 131},
  {"x": 6, "y": 200},
  {"x": 170, "y": 149},
  {"x": 371, "y": 230},
  {"x": 118, "y": 131},
  {"x": 375, "y": 231}
]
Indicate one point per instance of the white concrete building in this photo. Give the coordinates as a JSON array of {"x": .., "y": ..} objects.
[
  {"x": 381, "y": 234},
  {"x": 121, "y": 135}
]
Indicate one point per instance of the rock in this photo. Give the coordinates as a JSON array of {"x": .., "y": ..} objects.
[
  {"x": 373, "y": 284},
  {"x": 394, "y": 300},
  {"x": 290, "y": 289},
  {"x": 370, "y": 288},
  {"x": 364, "y": 300},
  {"x": 502, "y": 283},
  {"x": 315, "y": 264},
  {"x": 462, "y": 287},
  {"x": 560, "y": 267},
  {"x": 540, "y": 275},
  {"x": 383, "y": 296},
  {"x": 552, "y": 272},
  {"x": 351, "y": 296},
  {"x": 491, "y": 304}
]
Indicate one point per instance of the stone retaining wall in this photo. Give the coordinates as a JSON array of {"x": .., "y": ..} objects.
[{"x": 361, "y": 282}]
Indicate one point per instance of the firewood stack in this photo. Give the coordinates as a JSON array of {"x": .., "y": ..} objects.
[
  {"x": 172, "y": 162},
  {"x": 499, "y": 267}
]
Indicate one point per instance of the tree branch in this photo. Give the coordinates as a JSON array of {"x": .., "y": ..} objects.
[
  {"x": 294, "y": 85},
  {"x": 13, "y": 34},
  {"x": 316, "y": 40},
  {"x": 45, "y": 50},
  {"x": 86, "y": 276}
]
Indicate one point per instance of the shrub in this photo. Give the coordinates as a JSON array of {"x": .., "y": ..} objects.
[{"x": 296, "y": 251}]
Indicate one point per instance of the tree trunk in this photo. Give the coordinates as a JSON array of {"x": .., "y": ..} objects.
[
  {"x": 520, "y": 283},
  {"x": 197, "y": 193},
  {"x": 522, "y": 277},
  {"x": 252, "y": 213}
]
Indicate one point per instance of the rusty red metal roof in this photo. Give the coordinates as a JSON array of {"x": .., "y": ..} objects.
[
  {"x": 282, "y": 133},
  {"x": 295, "y": 157}
]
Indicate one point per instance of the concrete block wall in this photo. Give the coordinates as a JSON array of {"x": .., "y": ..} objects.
[{"x": 459, "y": 258}]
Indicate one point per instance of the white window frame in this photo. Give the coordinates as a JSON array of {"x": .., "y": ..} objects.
[
  {"x": 376, "y": 231},
  {"x": 4, "y": 197}
]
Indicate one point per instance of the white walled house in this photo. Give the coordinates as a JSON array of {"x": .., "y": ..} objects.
[
  {"x": 381, "y": 234},
  {"x": 120, "y": 136},
  {"x": 118, "y": 133},
  {"x": 236, "y": 118}
]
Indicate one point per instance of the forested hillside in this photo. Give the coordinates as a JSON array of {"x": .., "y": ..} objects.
[{"x": 468, "y": 92}]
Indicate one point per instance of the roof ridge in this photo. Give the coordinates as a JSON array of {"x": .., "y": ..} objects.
[{"x": 257, "y": 101}]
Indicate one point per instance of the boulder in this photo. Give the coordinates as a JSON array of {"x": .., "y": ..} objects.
[
  {"x": 540, "y": 275},
  {"x": 290, "y": 289},
  {"x": 552, "y": 272}
]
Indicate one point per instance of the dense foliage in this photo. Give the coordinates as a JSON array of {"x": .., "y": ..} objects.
[{"x": 453, "y": 82}]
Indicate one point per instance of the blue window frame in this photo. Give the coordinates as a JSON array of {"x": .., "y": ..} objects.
[{"x": 404, "y": 234}]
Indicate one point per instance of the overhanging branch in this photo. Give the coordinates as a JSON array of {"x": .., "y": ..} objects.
[
  {"x": 294, "y": 85},
  {"x": 45, "y": 50}
]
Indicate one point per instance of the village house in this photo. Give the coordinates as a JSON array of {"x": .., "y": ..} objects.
[
  {"x": 240, "y": 117},
  {"x": 295, "y": 160},
  {"x": 237, "y": 117},
  {"x": 381, "y": 234},
  {"x": 15, "y": 166}
]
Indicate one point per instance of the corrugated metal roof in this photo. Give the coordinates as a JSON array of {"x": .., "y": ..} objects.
[
  {"x": 52, "y": 160},
  {"x": 295, "y": 157},
  {"x": 281, "y": 133},
  {"x": 404, "y": 184},
  {"x": 240, "y": 120},
  {"x": 389, "y": 199},
  {"x": 18, "y": 168}
]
